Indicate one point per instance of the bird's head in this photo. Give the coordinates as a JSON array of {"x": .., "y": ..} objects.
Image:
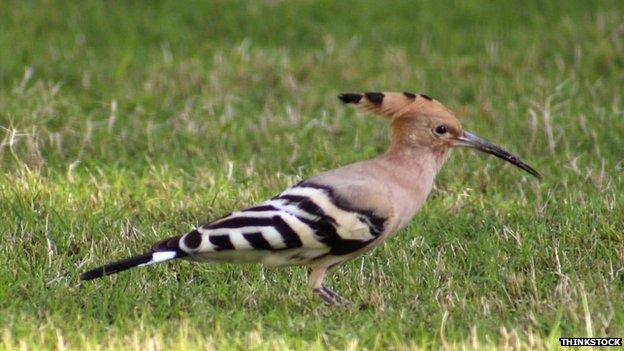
[{"x": 418, "y": 121}]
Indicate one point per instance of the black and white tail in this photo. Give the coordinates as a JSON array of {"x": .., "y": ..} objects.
[{"x": 163, "y": 251}]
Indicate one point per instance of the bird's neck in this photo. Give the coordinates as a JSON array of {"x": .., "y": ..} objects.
[
  {"x": 412, "y": 172},
  {"x": 415, "y": 162}
]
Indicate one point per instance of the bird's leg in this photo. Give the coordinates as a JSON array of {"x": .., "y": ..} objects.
[{"x": 315, "y": 281}]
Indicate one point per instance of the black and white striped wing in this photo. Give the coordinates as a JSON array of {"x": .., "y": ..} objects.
[{"x": 304, "y": 223}]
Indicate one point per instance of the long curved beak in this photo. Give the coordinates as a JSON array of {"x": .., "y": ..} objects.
[{"x": 473, "y": 141}]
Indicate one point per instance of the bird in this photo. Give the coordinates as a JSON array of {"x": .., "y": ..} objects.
[{"x": 337, "y": 215}]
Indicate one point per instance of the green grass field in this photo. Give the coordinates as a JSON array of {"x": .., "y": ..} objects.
[{"x": 125, "y": 122}]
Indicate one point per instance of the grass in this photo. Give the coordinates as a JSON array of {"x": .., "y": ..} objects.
[{"x": 126, "y": 122}]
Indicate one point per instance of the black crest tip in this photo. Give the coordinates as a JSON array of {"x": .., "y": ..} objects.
[
  {"x": 375, "y": 98},
  {"x": 409, "y": 95},
  {"x": 350, "y": 98},
  {"x": 426, "y": 97}
]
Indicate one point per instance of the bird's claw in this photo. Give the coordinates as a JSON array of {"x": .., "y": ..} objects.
[{"x": 332, "y": 298}]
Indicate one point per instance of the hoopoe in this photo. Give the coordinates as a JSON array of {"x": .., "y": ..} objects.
[{"x": 332, "y": 217}]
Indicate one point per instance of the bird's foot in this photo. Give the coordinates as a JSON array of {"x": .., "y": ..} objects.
[{"x": 331, "y": 298}]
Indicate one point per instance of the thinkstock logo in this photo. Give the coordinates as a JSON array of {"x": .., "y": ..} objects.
[{"x": 590, "y": 342}]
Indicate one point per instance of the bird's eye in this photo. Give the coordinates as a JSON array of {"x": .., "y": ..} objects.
[{"x": 440, "y": 130}]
